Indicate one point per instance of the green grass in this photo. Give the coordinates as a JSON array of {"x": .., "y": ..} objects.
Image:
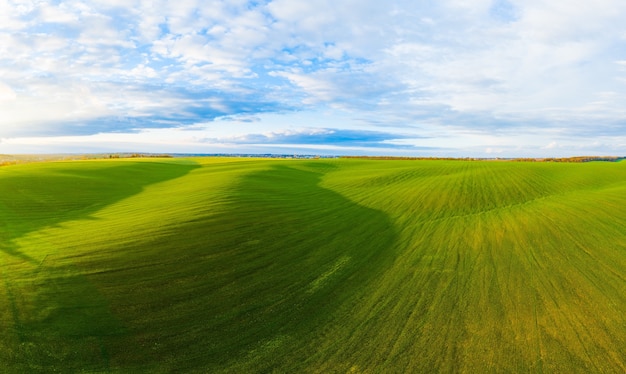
[{"x": 240, "y": 265}]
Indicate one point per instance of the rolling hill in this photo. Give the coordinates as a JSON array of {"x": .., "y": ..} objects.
[{"x": 339, "y": 265}]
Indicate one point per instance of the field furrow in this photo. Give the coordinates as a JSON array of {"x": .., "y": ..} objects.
[{"x": 346, "y": 265}]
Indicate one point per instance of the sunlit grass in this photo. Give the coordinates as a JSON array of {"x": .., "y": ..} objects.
[{"x": 241, "y": 265}]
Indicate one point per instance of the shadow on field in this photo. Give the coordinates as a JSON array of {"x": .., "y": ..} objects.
[
  {"x": 54, "y": 319},
  {"x": 64, "y": 192},
  {"x": 241, "y": 290}
]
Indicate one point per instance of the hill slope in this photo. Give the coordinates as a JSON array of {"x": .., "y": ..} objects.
[{"x": 240, "y": 265}]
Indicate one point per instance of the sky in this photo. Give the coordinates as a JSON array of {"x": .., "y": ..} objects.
[{"x": 445, "y": 78}]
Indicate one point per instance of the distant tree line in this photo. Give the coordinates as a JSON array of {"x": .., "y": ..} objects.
[
  {"x": 139, "y": 155},
  {"x": 519, "y": 159},
  {"x": 411, "y": 158},
  {"x": 572, "y": 159},
  {"x": 7, "y": 160}
]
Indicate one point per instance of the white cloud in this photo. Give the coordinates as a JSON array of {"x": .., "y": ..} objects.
[
  {"x": 316, "y": 89},
  {"x": 483, "y": 65},
  {"x": 57, "y": 14},
  {"x": 6, "y": 93},
  {"x": 552, "y": 145}
]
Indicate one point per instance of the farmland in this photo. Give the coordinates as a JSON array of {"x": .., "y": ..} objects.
[{"x": 342, "y": 265}]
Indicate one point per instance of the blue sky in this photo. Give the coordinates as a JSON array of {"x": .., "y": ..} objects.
[{"x": 479, "y": 78}]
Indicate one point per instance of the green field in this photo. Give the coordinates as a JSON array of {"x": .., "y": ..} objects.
[{"x": 341, "y": 265}]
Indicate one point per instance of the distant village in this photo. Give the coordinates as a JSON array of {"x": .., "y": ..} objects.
[
  {"x": 19, "y": 159},
  {"x": 255, "y": 155},
  {"x": 513, "y": 159}
]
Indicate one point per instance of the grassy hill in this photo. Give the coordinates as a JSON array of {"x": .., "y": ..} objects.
[{"x": 343, "y": 265}]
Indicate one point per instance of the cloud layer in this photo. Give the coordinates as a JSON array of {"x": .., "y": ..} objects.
[{"x": 456, "y": 77}]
